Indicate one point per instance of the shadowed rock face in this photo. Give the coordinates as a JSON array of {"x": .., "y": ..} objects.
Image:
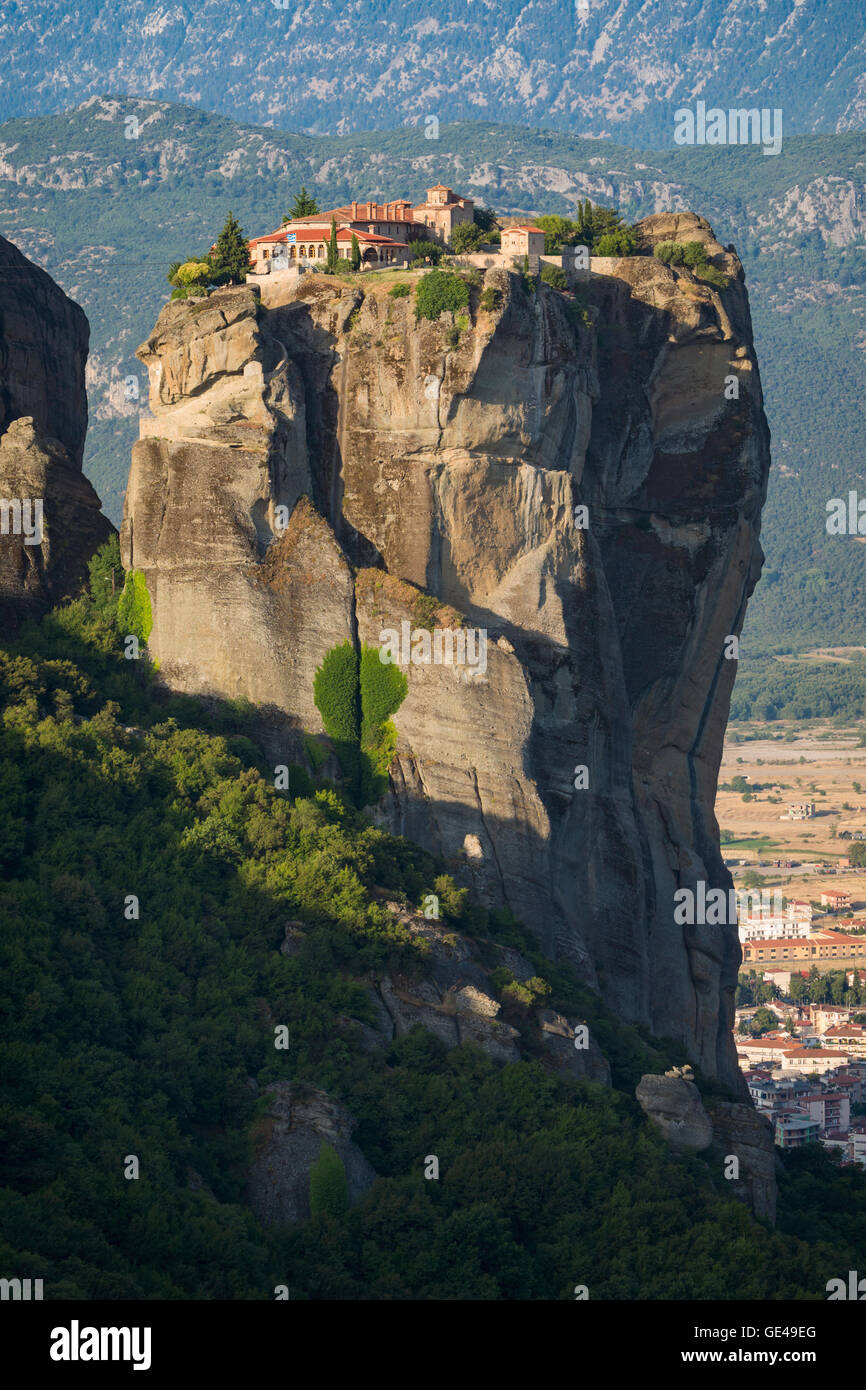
[
  {"x": 408, "y": 460},
  {"x": 43, "y": 420}
]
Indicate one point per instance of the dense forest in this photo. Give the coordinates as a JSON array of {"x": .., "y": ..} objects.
[
  {"x": 768, "y": 688},
  {"x": 149, "y": 869}
]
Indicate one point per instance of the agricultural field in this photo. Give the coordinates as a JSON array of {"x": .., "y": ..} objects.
[{"x": 784, "y": 765}]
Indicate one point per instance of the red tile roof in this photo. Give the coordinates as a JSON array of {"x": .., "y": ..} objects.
[
  {"x": 324, "y": 234},
  {"x": 814, "y": 1052}
]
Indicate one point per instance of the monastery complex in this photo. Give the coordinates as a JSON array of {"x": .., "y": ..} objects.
[{"x": 383, "y": 232}]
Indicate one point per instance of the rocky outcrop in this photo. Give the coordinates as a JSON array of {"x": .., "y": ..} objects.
[
  {"x": 50, "y": 521},
  {"x": 736, "y": 1132},
  {"x": 742, "y": 1133},
  {"x": 288, "y": 1144},
  {"x": 568, "y": 1053},
  {"x": 455, "y": 1000},
  {"x": 572, "y": 477},
  {"x": 674, "y": 1105}
]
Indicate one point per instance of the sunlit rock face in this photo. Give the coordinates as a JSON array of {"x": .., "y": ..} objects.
[{"x": 581, "y": 480}]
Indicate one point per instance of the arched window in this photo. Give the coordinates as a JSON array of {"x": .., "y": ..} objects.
[{"x": 321, "y": 252}]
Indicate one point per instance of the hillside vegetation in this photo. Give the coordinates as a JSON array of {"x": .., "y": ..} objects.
[{"x": 149, "y": 869}]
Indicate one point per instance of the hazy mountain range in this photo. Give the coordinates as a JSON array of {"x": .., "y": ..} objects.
[{"x": 610, "y": 68}]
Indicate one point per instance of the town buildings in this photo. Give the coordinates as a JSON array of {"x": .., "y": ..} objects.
[
  {"x": 794, "y": 1130},
  {"x": 772, "y": 928},
  {"x": 804, "y": 1112},
  {"x": 821, "y": 945},
  {"x": 851, "y": 1036},
  {"x": 836, "y": 902}
]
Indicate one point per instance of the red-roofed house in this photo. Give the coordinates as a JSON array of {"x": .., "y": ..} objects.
[
  {"x": 851, "y": 1036},
  {"x": 294, "y": 244},
  {"x": 523, "y": 241},
  {"x": 812, "y": 1059}
]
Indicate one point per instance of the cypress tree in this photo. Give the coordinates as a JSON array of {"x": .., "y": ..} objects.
[
  {"x": 356, "y": 253},
  {"x": 333, "y": 254}
]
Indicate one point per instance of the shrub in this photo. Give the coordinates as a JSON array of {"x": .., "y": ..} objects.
[
  {"x": 558, "y": 232},
  {"x": 106, "y": 577},
  {"x": 426, "y": 251},
  {"x": 694, "y": 253},
  {"x": 401, "y": 291},
  {"x": 466, "y": 237},
  {"x": 383, "y": 689},
  {"x": 315, "y": 751},
  {"x": 335, "y": 691},
  {"x": 619, "y": 242},
  {"x": 134, "y": 613},
  {"x": 669, "y": 252},
  {"x": 578, "y": 313},
  {"x": 461, "y": 323},
  {"x": 713, "y": 276},
  {"x": 554, "y": 276},
  {"x": 192, "y": 273},
  {"x": 329, "y": 1187},
  {"x": 490, "y": 299},
  {"x": 438, "y": 291},
  {"x": 355, "y": 697}
]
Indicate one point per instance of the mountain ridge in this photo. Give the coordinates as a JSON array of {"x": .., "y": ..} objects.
[{"x": 611, "y": 68}]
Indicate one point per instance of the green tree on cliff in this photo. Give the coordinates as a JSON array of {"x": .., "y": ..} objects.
[
  {"x": 356, "y": 253},
  {"x": 230, "y": 257},
  {"x": 355, "y": 696},
  {"x": 303, "y": 206},
  {"x": 329, "y": 1187},
  {"x": 134, "y": 614}
]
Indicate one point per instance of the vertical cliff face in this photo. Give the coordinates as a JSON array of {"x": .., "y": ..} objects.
[
  {"x": 43, "y": 420},
  {"x": 450, "y": 458}
]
